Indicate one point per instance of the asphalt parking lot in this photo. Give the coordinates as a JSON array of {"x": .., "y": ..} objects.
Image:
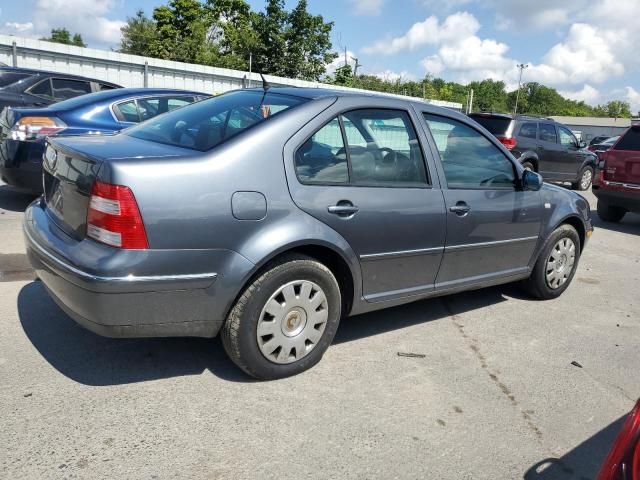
[{"x": 495, "y": 396}]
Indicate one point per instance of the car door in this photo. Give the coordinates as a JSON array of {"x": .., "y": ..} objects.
[
  {"x": 362, "y": 172},
  {"x": 572, "y": 156},
  {"x": 492, "y": 225},
  {"x": 550, "y": 152}
]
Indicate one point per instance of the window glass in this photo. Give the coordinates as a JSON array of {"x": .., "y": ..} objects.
[
  {"x": 567, "y": 138},
  {"x": 42, "y": 89},
  {"x": 548, "y": 133},
  {"x": 206, "y": 124},
  {"x": 177, "y": 102},
  {"x": 150, "y": 107},
  {"x": 322, "y": 158},
  {"x": 529, "y": 130},
  {"x": 64, "y": 88},
  {"x": 9, "y": 78},
  {"x": 127, "y": 111},
  {"x": 497, "y": 126},
  {"x": 102, "y": 87},
  {"x": 385, "y": 150},
  {"x": 629, "y": 141},
  {"x": 469, "y": 159}
]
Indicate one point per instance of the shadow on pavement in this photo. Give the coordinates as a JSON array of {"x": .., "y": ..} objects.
[
  {"x": 629, "y": 224},
  {"x": 14, "y": 200},
  {"x": 90, "y": 359},
  {"x": 581, "y": 463}
]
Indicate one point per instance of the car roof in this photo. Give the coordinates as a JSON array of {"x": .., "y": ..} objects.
[{"x": 33, "y": 71}]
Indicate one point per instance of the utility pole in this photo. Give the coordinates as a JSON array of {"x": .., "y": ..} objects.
[
  {"x": 521, "y": 67},
  {"x": 345, "y": 57},
  {"x": 470, "y": 101},
  {"x": 250, "y": 65},
  {"x": 356, "y": 66}
]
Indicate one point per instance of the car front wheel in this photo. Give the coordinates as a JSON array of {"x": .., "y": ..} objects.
[
  {"x": 285, "y": 319},
  {"x": 585, "y": 180},
  {"x": 556, "y": 264}
]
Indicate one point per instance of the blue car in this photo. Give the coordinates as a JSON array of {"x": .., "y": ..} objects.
[{"x": 23, "y": 130}]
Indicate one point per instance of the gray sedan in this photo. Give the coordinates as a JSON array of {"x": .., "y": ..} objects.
[{"x": 268, "y": 215}]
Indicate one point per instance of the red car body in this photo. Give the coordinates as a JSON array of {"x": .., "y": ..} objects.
[{"x": 623, "y": 461}]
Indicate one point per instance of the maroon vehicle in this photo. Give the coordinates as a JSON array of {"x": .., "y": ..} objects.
[
  {"x": 623, "y": 461},
  {"x": 617, "y": 179}
]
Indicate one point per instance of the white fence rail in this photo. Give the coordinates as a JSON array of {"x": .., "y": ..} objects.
[{"x": 135, "y": 71}]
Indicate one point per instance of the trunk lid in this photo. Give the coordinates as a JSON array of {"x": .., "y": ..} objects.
[{"x": 622, "y": 162}]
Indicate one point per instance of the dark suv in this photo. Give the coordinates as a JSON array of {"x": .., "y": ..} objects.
[
  {"x": 544, "y": 146},
  {"x": 21, "y": 87}
]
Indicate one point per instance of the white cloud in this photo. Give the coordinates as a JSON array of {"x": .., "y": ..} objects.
[
  {"x": 19, "y": 27},
  {"x": 391, "y": 76},
  {"x": 587, "y": 94},
  {"x": 367, "y": 7},
  {"x": 339, "y": 62},
  {"x": 633, "y": 97}
]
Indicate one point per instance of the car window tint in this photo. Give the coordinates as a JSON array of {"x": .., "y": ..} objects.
[
  {"x": 127, "y": 111},
  {"x": 9, "y": 78},
  {"x": 529, "y": 130},
  {"x": 150, "y": 107},
  {"x": 630, "y": 140},
  {"x": 548, "y": 133},
  {"x": 322, "y": 158},
  {"x": 177, "y": 102},
  {"x": 42, "y": 89},
  {"x": 566, "y": 137},
  {"x": 391, "y": 154},
  {"x": 64, "y": 88},
  {"x": 204, "y": 125},
  {"x": 469, "y": 159},
  {"x": 102, "y": 87},
  {"x": 354, "y": 137}
]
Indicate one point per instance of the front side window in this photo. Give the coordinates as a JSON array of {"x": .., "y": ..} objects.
[
  {"x": 323, "y": 158},
  {"x": 64, "y": 88},
  {"x": 206, "y": 124},
  {"x": 548, "y": 133},
  {"x": 567, "y": 138},
  {"x": 469, "y": 159},
  {"x": 529, "y": 130}
]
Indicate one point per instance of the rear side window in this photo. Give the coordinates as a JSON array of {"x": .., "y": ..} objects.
[
  {"x": 323, "y": 158},
  {"x": 42, "y": 89},
  {"x": 64, "y": 88},
  {"x": 548, "y": 133},
  {"x": 9, "y": 78},
  {"x": 496, "y": 125},
  {"x": 127, "y": 111},
  {"x": 629, "y": 141},
  {"x": 204, "y": 125},
  {"x": 529, "y": 130}
]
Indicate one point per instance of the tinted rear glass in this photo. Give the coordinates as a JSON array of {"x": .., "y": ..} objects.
[
  {"x": 204, "y": 125},
  {"x": 630, "y": 140},
  {"x": 495, "y": 125},
  {"x": 9, "y": 78}
]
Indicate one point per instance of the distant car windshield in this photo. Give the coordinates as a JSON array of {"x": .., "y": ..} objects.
[
  {"x": 9, "y": 78},
  {"x": 495, "y": 125},
  {"x": 611, "y": 140},
  {"x": 206, "y": 124}
]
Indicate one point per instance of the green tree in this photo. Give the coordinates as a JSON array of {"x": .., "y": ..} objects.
[
  {"x": 489, "y": 95},
  {"x": 138, "y": 35},
  {"x": 62, "y": 35}
]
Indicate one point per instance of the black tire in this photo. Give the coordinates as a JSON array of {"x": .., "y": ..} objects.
[
  {"x": 239, "y": 333},
  {"x": 537, "y": 285},
  {"x": 609, "y": 213},
  {"x": 578, "y": 185},
  {"x": 528, "y": 166}
]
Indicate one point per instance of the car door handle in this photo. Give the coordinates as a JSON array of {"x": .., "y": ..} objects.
[
  {"x": 461, "y": 209},
  {"x": 343, "y": 209}
]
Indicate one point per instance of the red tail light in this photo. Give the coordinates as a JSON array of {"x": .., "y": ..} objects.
[
  {"x": 508, "y": 142},
  {"x": 623, "y": 461},
  {"x": 114, "y": 218}
]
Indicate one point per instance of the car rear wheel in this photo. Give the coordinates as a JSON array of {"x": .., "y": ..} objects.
[
  {"x": 285, "y": 319},
  {"x": 586, "y": 178},
  {"x": 556, "y": 264},
  {"x": 609, "y": 213}
]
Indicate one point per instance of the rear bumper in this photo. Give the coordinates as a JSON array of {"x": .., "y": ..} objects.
[
  {"x": 619, "y": 195},
  {"x": 125, "y": 293}
]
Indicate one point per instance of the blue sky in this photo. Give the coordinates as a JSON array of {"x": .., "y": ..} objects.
[{"x": 581, "y": 47}]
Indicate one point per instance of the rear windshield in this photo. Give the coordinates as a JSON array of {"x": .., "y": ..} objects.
[
  {"x": 9, "y": 78},
  {"x": 204, "y": 125},
  {"x": 630, "y": 140},
  {"x": 495, "y": 125}
]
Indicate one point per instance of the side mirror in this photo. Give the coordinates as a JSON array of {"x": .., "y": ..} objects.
[
  {"x": 531, "y": 181},
  {"x": 582, "y": 144}
]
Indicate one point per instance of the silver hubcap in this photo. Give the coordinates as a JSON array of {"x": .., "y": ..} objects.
[
  {"x": 586, "y": 179},
  {"x": 292, "y": 322},
  {"x": 560, "y": 263}
]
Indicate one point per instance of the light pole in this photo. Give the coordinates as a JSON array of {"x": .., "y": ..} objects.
[{"x": 521, "y": 67}]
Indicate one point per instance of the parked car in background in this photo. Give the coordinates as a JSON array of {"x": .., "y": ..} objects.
[
  {"x": 544, "y": 146},
  {"x": 598, "y": 139},
  {"x": 23, "y": 130},
  {"x": 617, "y": 183},
  {"x": 270, "y": 214},
  {"x": 21, "y": 87},
  {"x": 623, "y": 460},
  {"x": 604, "y": 145}
]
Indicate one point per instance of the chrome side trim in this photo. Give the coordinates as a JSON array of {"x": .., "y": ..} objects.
[
  {"x": 632, "y": 186},
  {"x": 489, "y": 244},
  {"x": 130, "y": 279},
  {"x": 402, "y": 253}
]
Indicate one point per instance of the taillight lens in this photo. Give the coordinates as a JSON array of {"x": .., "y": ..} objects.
[
  {"x": 508, "y": 142},
  {"x": 31, "y": 128},
  {"x": 114, "y": 217},
  {"x": 623, "y": 461}
]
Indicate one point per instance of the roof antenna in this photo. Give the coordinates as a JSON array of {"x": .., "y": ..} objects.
[{"x": 265, "y": 85}]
